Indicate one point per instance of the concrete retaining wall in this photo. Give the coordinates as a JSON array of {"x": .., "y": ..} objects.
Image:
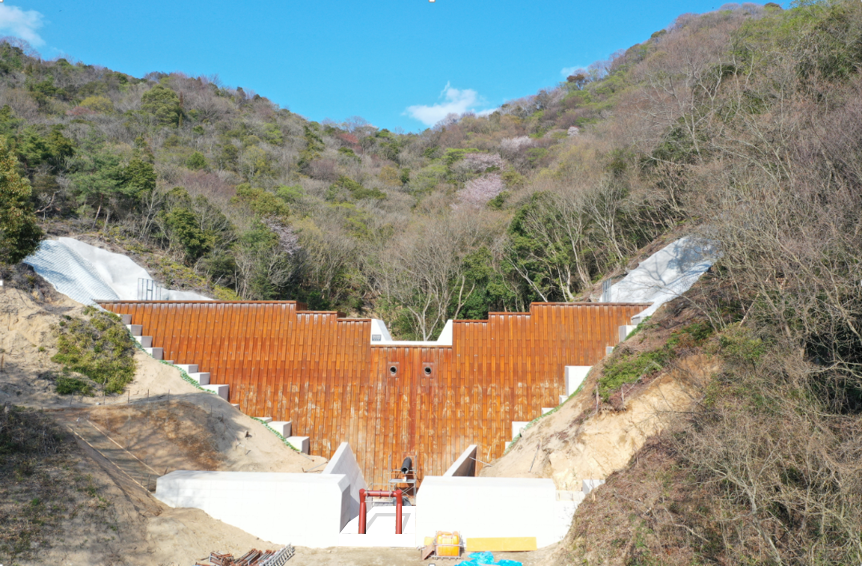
[
  {"x": 465, "y": 465},
  {"x": 491, "y": 507},
  {"x": 299, "y": 509},
  {"x": 344, "y": 462}
]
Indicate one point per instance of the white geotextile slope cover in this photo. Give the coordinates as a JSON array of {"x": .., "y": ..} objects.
[
  {"x": 665, "y": 275},
  {"x": 87, "y": 273},
  {"x": 69, "y": 273}
]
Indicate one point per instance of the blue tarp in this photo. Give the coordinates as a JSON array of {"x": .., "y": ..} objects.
[{"x": 478, "y": 558}]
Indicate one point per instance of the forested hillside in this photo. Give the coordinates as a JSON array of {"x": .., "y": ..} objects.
[
  {"x": 242, "y": 198},
  {"x": 743, "y": 126}
]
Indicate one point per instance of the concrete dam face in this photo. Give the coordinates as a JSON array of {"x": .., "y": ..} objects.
[{"x": 389, "y": 400}]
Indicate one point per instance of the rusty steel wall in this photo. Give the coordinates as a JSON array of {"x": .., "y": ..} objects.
[{"x": 323, "y": 373}]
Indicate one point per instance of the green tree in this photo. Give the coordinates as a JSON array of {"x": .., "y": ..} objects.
[
  {"x": 34, "y": 149},
  {"x": 163, "y": 104},
  {"x": 101, "y": 104},
  {"x": 97, "y": 179},
  {"x": 183, "y": 224},
  {"x": 140, "y": 179},
  {"x": 19, "y": 232},
  {"x": 196, "y": 161},
  {"x": 261, "y": 202}
]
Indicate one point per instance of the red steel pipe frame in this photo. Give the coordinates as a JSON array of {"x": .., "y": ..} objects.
[{"x": 398, "y": 505}]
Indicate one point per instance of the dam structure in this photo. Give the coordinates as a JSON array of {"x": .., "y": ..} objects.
[{"x": 338, "y": 379}]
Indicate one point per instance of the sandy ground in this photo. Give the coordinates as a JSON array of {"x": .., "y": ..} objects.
[
  {"x": 170, "y": 424},
  {"x": 158, "y": 395},
  {"x": 402, "y": 557}
]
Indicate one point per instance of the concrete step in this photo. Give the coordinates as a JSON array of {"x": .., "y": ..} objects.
[
  {"x": 265, "y": 419},
  {"x": 222, "y": 391},
  {"x": 188, "y": 368},
  {"x": 625, "y": 330},
  {"x": 157, "y": 353},
  {"x": 546, "y": 410},
  {"x": 145, "y": 341},
  {"x": 299, "y": 442},
  {"x": 126, "y": 319},
  {"x": 574, "y": 377},
  {"x": 518, "y": 426},
  {"x": 135, "y": 329},
  {"x": 282, "y": 427},
  {"x": 202, "y": 378}
]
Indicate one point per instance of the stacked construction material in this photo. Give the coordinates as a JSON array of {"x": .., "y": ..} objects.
[{"x": 253, "y": 557}]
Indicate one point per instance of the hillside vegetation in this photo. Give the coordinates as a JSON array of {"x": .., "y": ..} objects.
[{"x": 743, "y": 126}]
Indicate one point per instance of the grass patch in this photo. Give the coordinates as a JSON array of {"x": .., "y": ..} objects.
[
  {"x": 73, "y": 386},
  {"x": 99, "y": 348},
  {"x": 628, "y": 368}
]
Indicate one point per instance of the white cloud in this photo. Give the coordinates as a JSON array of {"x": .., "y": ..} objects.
[
  {"x": 21, "y": 23},
  {"x": 455, "y": 101},
  {"x": 566, "y": 71}
]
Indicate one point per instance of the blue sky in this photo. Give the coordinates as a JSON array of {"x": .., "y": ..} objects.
[{"x": 396, "y": 63}]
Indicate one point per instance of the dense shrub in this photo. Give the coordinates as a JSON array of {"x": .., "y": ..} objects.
[{"x": 98, "y": 347}]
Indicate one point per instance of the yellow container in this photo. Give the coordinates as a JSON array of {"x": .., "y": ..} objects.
[{"x": 448, "y": 544}]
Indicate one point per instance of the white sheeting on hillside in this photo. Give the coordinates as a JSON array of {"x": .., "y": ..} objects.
[
  {"x": 87, "y": 273},
  {"x": 665, "y": 275}
]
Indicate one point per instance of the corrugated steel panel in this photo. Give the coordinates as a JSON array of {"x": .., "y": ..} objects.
[{"x": 323, "y": 373}]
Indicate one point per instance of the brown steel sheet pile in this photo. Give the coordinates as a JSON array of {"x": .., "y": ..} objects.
[{"x": 323, "y": 373}]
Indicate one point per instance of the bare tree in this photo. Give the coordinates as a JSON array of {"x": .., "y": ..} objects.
[{"x": 423, "y": 271}]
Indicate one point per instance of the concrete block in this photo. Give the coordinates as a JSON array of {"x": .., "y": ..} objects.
[
  {"x": 188, "y": 368},
  {"x": 625, "y": 330},
  {"x": 546, "y": 410},
  {"x": 145, "y": 341},
  {"x": 157, "y": 353},
  {"x": 202, "y": 378},
  {"x": 264, "y": 419},
  {"x": 563, "y": 399},
  {"x": 135, "y": 329},
  {"x": 126, "y": 319},
  {"x": 575, "y": 376},
  {"x": 609, "y": 350},
  {"x": 590, "y": 485},
  {"x": 299, "y": 442},
  {"x": 281, "y": 427},
  {"x": 220, "y": 390},
  {"x": 517, "y": 426},
  {"x": 235, "y": 406}
]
